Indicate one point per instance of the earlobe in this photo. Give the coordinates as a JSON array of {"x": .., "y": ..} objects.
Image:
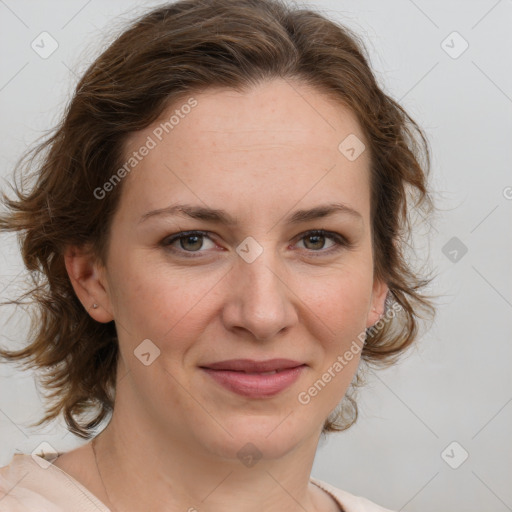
[
  {"x": 379, "y": 295},
  {"x": 83, "y": 271}
]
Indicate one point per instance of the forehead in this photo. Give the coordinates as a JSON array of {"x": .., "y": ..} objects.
[
  {"x": 279, "y": 137},
  {"x": 281, "y": 110}
]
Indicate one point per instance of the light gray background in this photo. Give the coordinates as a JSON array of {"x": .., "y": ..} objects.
[{"x": 456, "y": 385}]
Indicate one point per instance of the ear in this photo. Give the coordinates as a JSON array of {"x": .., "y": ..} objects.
[
  {"x": 87, "y": 277},
  {"x": 377, "y": 305}
]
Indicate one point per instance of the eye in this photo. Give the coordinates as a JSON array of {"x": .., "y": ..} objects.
[
  {"x": 316, "y": 240},
  {"x": 192, "y": 241},
  {"x": 189, "y": 241}
]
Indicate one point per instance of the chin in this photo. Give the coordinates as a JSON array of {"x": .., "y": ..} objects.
[{"x": 253, "y": 435}]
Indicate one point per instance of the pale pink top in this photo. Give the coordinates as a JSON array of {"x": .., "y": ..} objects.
[{"x": 32, "y": 484}]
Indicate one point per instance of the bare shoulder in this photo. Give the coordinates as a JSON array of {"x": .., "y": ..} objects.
[{"x": 80, "y": 465}]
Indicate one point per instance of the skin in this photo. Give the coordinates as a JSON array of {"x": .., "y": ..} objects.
[{"x": 173, "y": 439}]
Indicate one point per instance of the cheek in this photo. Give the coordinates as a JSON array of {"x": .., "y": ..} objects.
[
  {"x": 340, "y": 301},
  {"x": 155, "y": 302}
]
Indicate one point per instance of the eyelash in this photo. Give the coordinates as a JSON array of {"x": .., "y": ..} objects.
[{"x": 340, "y": 242}]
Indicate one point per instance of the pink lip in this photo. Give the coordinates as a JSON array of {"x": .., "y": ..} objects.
[
  {"x": 231, "y": 374},
  {"x": 250, "y": 365}
]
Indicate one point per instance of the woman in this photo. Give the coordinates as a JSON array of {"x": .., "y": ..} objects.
[{"x": 257, "y": 133}]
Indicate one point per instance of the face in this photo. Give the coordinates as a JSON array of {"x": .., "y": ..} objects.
[{"x": 267, "y": 285}]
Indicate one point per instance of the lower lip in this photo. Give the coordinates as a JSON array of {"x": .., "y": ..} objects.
[{"x": 256, "y": 386}]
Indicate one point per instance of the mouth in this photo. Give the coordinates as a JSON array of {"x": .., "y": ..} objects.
[{"x": 255, "y": 379}]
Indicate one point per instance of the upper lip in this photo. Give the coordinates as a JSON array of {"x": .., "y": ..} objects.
[{"x": 250, "y": 365}]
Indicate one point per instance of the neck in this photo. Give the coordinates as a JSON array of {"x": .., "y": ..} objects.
[{"x": 142, "y": 467}]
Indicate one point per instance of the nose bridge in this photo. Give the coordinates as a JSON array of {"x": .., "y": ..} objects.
[{"x": 261, "y": 297}]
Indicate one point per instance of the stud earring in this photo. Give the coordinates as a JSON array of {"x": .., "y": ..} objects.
[{"x": 94, "y": 306}]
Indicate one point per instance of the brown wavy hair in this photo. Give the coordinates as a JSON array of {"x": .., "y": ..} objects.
[{"x": 171, "y": 51}]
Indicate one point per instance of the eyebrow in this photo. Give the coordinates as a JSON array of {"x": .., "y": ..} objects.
[{"x": 222, "y": 217}]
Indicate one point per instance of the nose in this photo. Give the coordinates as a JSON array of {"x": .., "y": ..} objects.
[{"x": 260, "y": 300}]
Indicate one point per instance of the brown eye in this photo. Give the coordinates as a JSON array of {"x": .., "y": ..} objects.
[
  {"x": 189, "y": 242},
  {"x": 192, "y": 242},
  {"x": 314, "y": 241}
]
